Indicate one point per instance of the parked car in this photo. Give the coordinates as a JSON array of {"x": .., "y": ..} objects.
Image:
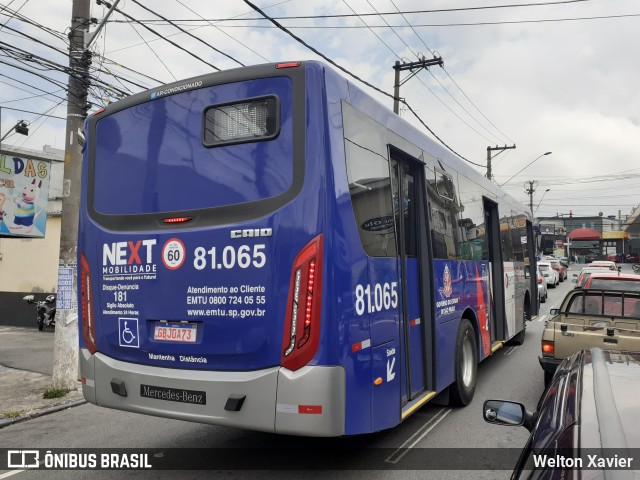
[
  {"x": 590, "y": 408},
  {"x": 590, "y": 318},
  {"x": 632, "y": 258},
  {"x": 557, "y": 266},
  {"x": 542, "y": 286},
  {"x": 550, "y": 275}
]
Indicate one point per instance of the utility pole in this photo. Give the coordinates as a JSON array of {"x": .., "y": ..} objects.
[
  {"x": 529, "y": 191},
  {"x": 489, "y": 156},
  {"x": 66, "y": 337},
  {"x": 415, "y": 67}
]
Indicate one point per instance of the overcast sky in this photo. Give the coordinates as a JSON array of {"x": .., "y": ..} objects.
[{"x": 522, "y": 75}]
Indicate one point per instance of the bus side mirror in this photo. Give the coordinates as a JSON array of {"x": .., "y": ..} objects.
[{"x": 527, "y": 271}]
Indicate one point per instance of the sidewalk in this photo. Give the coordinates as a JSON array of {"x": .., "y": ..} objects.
[{"x": 26, "y": 364}]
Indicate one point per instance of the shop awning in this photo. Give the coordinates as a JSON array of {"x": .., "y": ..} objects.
[
  {"x": 614, "y": 235},
  {"x": 585, "y": 234}
]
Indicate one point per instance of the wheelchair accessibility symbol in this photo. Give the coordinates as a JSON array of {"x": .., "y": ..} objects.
[{"x": 128, "y": 332}]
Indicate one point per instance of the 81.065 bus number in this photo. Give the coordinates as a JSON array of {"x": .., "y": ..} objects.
[
  {"x": 229, "y": 257},
  {"x": 376, "y": 298}
]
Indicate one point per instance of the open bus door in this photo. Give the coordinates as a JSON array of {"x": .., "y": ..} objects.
[
  {"x": 530, "y": 255},
  {"x": 497, "y": 327},
  {"x": 416, "y": 326}
]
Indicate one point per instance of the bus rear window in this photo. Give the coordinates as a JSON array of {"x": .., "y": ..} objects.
[{"x": 151, "y": 157}]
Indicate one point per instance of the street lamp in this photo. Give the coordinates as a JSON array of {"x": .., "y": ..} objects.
[
  {"x": 528, "y": 165},
  {"x": 545, "y": 192},
  {"x": 21, "y": 127}
]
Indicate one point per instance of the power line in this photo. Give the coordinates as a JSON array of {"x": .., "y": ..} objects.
[
  {"x": 443, "y": 68},
  {"x": 225, "y": 33},
  {"x": 163, "y": 37},
  {"x": 476, "y": 107},
  {"x": 154, "y": 52},
  {"x": 419, "y": 79},
  {"x": 66, "y": 54},
  {"x": 35, "y": 113},
  {"x": 434, "y": 25},
  {"x": 353, "y": 75},
  {"x": 188, "y": 33},
  {"x": 408, "y": 12}
]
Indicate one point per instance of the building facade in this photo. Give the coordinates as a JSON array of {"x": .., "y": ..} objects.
[{"x": 30, "y": 265}]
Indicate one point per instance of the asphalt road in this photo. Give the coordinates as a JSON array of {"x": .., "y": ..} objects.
[{"x": 512, "y": 373}]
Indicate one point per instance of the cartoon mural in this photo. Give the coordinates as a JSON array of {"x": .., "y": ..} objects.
[{"x": 24, "y": 192}]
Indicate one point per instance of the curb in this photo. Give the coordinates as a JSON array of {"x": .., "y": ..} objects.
[{"x": 57, "y": 408}]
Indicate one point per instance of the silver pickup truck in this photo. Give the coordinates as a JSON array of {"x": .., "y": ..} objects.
[{"x": 590, "y": 318}]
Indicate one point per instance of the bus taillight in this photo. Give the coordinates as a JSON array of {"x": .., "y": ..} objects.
[
  {"x": 301, "y": 338},
  {"x": 86, "y": 296}
]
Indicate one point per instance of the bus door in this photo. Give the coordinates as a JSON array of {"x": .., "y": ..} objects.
[
  {"x": 410, "y": 222},
  {"x": 531, "y": 264},
  {"x": 497, "y": 326}
]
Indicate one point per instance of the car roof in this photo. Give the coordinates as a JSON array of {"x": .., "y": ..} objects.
[
  {"x": 602, "y": 262},
  {"x": 610, "y": 388},
  {"x": 616, "y": 275}
]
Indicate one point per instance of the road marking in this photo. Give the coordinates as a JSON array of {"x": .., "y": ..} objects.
[
  {"x": 542, "y": 317},
  {"x": 403, "y": 449},
  {"x": 510, "y": 350},
  {"x": 9, "y": 474}
]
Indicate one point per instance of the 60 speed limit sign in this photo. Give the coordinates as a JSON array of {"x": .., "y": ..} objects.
[{"x": 173, "y": 254}]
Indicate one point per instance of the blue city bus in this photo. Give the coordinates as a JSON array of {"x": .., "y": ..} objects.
[{"x": 271, "y": 248}]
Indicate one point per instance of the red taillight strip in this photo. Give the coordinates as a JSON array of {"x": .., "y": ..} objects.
[
  {"x": 294, "y": 314},
  {"x": 88, "y": 320},
  {"x": 288, "y": 65},
  {"x": 176, "y": 219},
  {"x": 302, "y": 323}
]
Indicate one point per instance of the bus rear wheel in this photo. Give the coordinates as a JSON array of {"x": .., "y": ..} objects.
[{"x": 466, "y": 365}]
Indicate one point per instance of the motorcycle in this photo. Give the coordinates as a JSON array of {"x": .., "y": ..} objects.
[{"x": 45, "y": 310}]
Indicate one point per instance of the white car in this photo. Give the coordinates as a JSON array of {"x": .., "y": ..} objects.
[
  {"x": 604, "y": 264},
  {"x": 542, "y": 286},
  {"x": 549, "y": 274}
]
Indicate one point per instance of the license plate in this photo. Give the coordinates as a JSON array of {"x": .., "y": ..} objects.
[
  {"x": 173, "y": 394},
  {"x": 175, "y": 332}
]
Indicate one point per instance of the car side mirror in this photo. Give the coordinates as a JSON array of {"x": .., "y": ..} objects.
[
  {"x": 554, "y": 311},
  {"x": 504, "y": 412}
]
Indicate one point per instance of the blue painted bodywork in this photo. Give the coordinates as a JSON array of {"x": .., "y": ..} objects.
[{"x": 188, "y": 176}]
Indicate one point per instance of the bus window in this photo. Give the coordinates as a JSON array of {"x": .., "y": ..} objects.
[
  {"x": 444, "y": 212},
  {"x": 473, "y": 240},
  {"x": 369, "y": 184},
  {"x": 518, "y": 230}
]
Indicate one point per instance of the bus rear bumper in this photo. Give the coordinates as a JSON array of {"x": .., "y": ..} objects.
[{"x": 310, "y": 401}]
